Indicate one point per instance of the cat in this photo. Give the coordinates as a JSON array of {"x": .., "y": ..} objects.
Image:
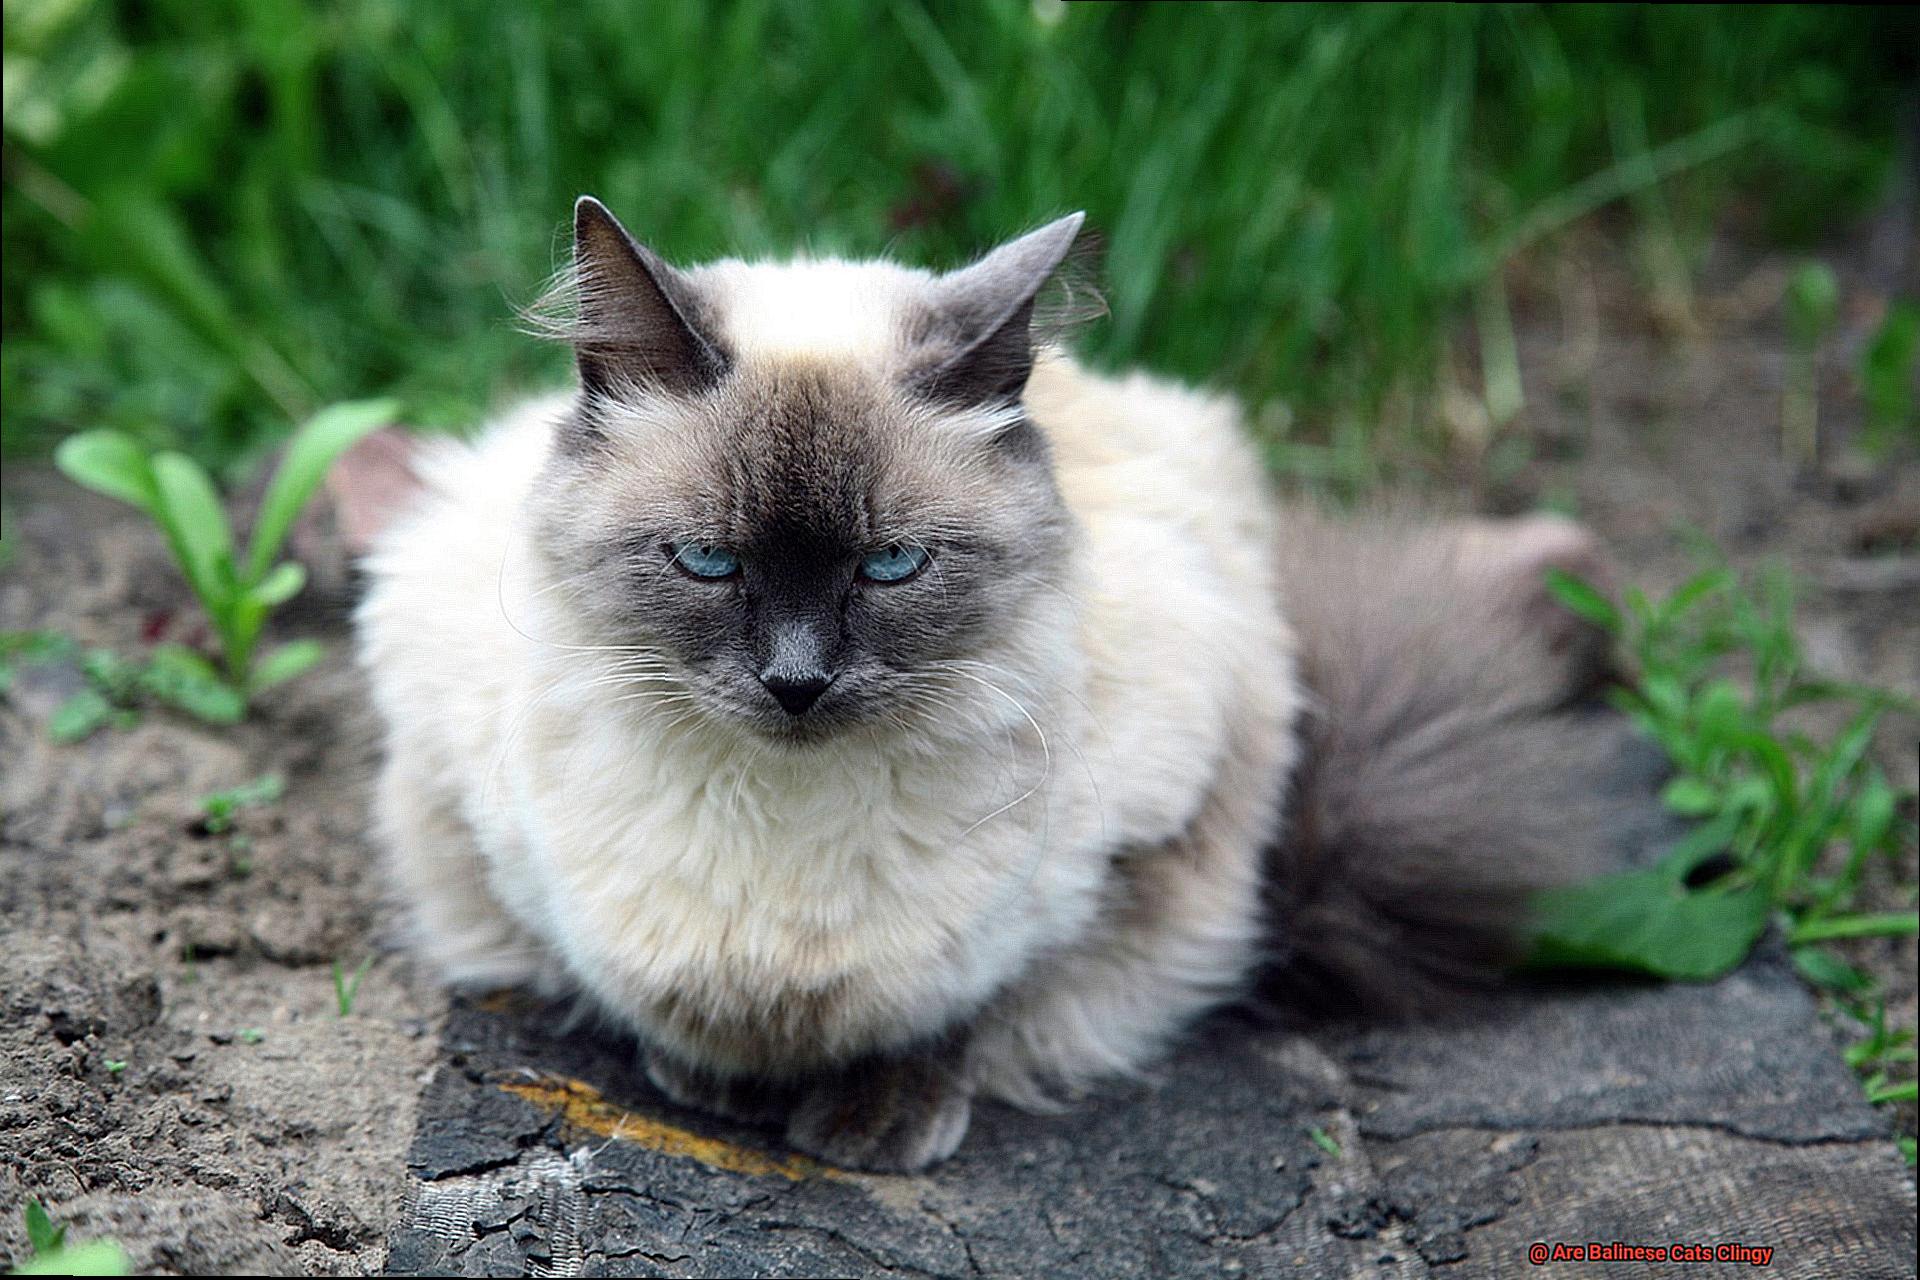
[{"x": 872, "y": 709}]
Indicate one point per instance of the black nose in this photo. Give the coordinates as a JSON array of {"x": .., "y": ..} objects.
[{"x": 796, "y": 693}]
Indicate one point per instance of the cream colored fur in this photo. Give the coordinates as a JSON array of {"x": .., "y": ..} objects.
[{"x": 1067, "y": 853}]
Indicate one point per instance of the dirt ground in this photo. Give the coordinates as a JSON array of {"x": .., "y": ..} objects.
[{"x": 254, "y": 1128}]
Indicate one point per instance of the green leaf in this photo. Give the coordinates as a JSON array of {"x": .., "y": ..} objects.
[
  {"x": 116, "y": 677},
  {"x": 1880, "y": 1092},
  {"x": 1887, "y": 376},
  {"x": 30, "y": 648},
  {"x": 1873, "y": 813},
  {"x": 109, "y": 462},
  {"x": 1719, "y": 711},
  {"x": 1886, "y": 924},
  {"x": 325, "y": 437},
  {"x": 1813, "y": 299},
  {"x": 42, "y": 1236},
  {"x": 279, "y": 586},
  {"x": 1690, "y": 797},
  {"x": 1824, "y": 969},
  {"x": 182, "y": 679},
  {"x": 196, "y": 526},
  {"x": 286, "y": 662},
  {"x": 219, "y": 807},
  {"x": 1583, "y": 599},
  {"x": 1325, "y": 1141},
  {"x": 79, "y": 716},
  {"x": 1647, "y": 922}
]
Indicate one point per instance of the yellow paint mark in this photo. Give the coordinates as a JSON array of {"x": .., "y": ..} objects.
[{"x": 583, "y": 1107}]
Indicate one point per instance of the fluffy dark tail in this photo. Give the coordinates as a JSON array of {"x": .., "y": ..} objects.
[{"x": 1449, "y": 769}]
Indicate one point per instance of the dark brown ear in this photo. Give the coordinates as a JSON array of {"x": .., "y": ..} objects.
[
  {"x": 988, "y": 309},
  {"x": 637, "y": 321}
]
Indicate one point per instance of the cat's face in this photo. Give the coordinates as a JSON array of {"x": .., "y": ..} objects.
[{"x": 800, "y": 528}]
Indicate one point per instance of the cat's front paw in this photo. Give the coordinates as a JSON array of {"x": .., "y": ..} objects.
[
  {"x": 736, "y": 1098},
  {"x": 894, "y": 1116}
]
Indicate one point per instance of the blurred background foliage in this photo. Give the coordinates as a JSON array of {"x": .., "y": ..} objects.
[{"x": 221, "y": 214}]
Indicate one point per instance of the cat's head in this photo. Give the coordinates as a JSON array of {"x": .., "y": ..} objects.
[{"x": 799, "y": 497}]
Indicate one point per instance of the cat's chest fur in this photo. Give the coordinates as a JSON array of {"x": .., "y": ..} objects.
[{"x": 756, "y": 911}]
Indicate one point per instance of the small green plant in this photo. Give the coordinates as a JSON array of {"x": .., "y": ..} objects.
[
  {"x": 1324, "y": 1140},
  {"x": 218, "y": 809},
  {"x": 1785, "y": 825},
  {"x": 237, "y": 592},
  {"x": 51, "y": 1255},
  {"x": 1889, "y": 371},
  {"x": 114, "y": 1066},
  {"x": 251, "y": 1035},
  {"x": 118, "y": 688},
  {"x": 347, "y": 986},
  {"x": 42, "y": 1236},
  {"x": 29, "y": 648},
  {"x": 1812, "y": 302}
]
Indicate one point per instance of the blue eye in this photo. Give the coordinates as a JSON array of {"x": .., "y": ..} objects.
[
  {"x": 894, "y": 563},
  {"x": 705, "y": 559}
]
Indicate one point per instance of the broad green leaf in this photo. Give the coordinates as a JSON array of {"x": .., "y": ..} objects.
[
  {"x": 79, "y": 716},
  {"x": 279, "y": 586},
  {"x": 109, "y": 462},
  {"x": 1719, "y": 711},
  {"x": 196, "y": 525},
  {"x": 325, "y": 437},
  {"x": 186, "y": 681},
  {"x": 1583, "y": 599},
  {"x": 1647, "y": 922},
  {"x": 286, "y": 662}
]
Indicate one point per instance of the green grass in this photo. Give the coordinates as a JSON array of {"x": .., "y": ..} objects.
[
  {"x": 219, "y": 809},
  {"x": 346, "y": 986},
  {"x": 1787, "y": 825},
  {"x": 221, "y": 216}
]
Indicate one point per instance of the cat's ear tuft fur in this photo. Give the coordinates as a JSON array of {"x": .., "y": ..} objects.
[
  {"x": 636, "y": 320},
  {"x": 987, "y": 308}
]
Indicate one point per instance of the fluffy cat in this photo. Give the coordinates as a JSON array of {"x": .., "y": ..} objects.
[{"x": 872, "y": 711}]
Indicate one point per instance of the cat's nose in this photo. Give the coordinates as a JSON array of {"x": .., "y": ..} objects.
[{"x": 795, "y": 693}]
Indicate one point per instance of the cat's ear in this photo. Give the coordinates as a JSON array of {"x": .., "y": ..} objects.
[
  {"x": 637, "y": 318},
  {"x": 987, "y": 310}
]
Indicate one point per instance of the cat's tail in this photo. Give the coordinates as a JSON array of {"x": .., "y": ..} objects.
[{"x": 1449, "y": 770}]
